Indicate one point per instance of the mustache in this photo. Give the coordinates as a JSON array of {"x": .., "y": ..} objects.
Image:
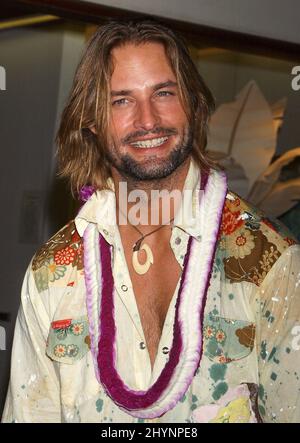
[{"x": 163, "y": 132}]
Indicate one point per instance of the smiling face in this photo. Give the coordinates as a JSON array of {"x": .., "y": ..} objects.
[{"x": 149, "y": 132}]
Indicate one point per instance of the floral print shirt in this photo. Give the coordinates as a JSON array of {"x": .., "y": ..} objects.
[{"x": 250, "y": 367}]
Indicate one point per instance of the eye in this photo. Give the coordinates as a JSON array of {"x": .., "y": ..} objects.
[
  {"x": 120, "y": 102},
  {"x": 165, "y": 93}
]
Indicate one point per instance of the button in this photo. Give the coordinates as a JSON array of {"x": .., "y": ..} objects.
[
  {"x": 124, "y": 288},
  {"x": 165, "y": 350},
  {"x": 142, "y": 345},
  {"x": 177, "y": 241},
  {"x": 105, "y": 231}
]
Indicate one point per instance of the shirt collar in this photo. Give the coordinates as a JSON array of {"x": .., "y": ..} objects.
[
  {"x": 101, "y": 208},
  {"x": 187, "y": 217}
]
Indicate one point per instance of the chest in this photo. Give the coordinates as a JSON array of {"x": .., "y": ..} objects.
[{"x": 154, "y": 291}]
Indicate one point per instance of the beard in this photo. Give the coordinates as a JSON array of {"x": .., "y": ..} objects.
[{"x": 153, "y": 168}]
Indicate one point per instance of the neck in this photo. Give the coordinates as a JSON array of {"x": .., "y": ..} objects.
[{"x": 156, "y": 202}]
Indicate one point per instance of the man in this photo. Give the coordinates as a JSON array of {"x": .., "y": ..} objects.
[{"x": 190, "y": 319}]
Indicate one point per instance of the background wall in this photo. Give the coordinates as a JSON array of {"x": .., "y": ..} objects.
[
  {"x": 39, "y": 64},
  {"x": 289, "y": 136},
  {"x": 227, "y": 72},
  {"x": 267, "y": 18}
]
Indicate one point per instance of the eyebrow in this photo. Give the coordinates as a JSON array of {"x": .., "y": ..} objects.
[{"x": 167, "y": 84}]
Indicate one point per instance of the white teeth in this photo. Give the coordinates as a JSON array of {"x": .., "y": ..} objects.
[{"x": 150, "y": 143}]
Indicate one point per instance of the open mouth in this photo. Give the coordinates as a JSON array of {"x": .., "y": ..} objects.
[{"x": 146, "y": 144}]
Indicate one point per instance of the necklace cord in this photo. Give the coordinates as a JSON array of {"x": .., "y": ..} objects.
[{"x": 137, "y": 244}]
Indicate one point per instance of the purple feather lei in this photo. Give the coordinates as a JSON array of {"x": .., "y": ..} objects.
[{"x": 86, "y": 192}]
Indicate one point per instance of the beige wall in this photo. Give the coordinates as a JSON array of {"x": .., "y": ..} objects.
[{"x": 227, "y": 72}]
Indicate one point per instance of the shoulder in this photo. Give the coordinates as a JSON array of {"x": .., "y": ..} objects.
[
  {"x": 251, "y": 241},
  {"x": 62, "y": 252},
  {"x": 63, "y": 247}
]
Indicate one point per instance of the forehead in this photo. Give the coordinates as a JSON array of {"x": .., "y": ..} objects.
[{"x": 139, "y": 66}]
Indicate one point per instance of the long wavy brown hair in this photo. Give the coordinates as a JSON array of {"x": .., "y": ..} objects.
[{"x": 82, "y": 154}]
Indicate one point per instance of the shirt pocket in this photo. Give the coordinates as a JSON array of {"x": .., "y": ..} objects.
[
  {"x": 68, "y": 340},
  {"x": 226, "y": 340}
]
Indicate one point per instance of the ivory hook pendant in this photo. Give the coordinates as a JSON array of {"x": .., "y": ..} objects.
[{"x": 137, "y": 266}]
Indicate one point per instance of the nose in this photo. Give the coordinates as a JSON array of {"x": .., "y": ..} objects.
[{"x": 146, "y": 116}]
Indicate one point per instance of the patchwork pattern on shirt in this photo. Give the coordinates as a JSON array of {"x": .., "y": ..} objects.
[
  {"x": 249, "y": 242},
  {"x": 52, "y": 261},
  {"x": 226, "y": 340},
  {"x": 68, "y": 340}
]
